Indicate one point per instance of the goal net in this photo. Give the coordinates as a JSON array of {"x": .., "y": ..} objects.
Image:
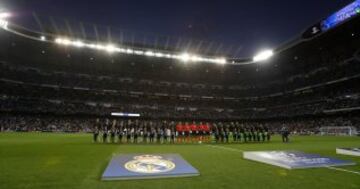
[{"x": 339, "y": 131}]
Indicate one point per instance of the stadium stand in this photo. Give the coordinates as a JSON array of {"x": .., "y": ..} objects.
[{"x": 308, "y": 85}]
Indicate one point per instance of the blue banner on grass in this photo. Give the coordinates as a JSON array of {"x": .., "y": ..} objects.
[
  {"x": 145, "y": 166},
  {"x": 294, "y": 159}
]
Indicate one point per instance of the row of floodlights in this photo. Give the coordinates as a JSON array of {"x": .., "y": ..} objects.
[{"x": 110, "y": 48}]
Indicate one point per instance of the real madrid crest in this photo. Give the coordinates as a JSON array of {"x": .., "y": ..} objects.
[{"x": 149, "y": 164}]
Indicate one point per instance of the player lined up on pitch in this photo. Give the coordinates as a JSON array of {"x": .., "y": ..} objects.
[{"x": 160, "y": 132}]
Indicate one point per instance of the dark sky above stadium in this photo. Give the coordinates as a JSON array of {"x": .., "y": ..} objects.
[{"x": 243, "y": 25}]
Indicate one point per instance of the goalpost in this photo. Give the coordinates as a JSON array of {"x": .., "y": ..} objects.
[{"x": 338, "y": 131}]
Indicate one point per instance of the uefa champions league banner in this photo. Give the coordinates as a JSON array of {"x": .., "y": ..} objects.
[
  {"x": 294, "y": 159},
  {"x": 348, "y": 151},
  {"x": 145, "y": 166}
]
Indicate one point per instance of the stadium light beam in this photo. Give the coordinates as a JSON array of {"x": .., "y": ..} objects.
[{"x": 264, "y": 55}]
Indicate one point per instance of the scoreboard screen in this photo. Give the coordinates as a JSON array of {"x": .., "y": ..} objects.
[{"x": 342, "y": 15}]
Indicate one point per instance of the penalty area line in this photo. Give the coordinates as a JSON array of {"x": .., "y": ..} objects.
[{"x": 343, "y": 170}]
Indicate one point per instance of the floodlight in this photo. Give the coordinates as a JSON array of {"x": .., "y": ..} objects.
[
  {"x": 42, "y": 38},
  {"x": 149, "y": 53},
  {"x": 110, "y": 48},
  {"x": 3, "y": 23},
  {"x": 65, "y": 42},
  {"x": 159, "y": 54},
  {"x": 58, "y": 40},
  {"x": 184, "y": 57},
  {"x": 4, "y": 15},
  {"x": 129, "y": 51},
  {"x": 79, "y": 44},
  {"x": 100, "y": 47},
  {"x": 264, "y": 55},
  {"x": 91, "y": 46},
  {"x": 221, "y": 60},
  {"x": 139, "y": 52}
]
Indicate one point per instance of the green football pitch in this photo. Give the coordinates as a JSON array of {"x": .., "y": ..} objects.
[{"x": 38, "y": 160}]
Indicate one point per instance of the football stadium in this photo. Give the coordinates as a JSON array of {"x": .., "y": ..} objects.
[{"x": 91, "y": 105}]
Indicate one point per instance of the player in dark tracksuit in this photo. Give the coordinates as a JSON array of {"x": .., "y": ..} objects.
[
  {"x": 152, "y": 135},
  {"x": 226, "y": 135},
  {"x": 267, "y": 134},
  {"x": 248, "y": 134},
  {"x": 96, "y": 134},
  {"x": 136, "y": 134},
  {"x": 145, "y": 136},
  {"x": 240, "y": 134},
  {"x": 253, "y": 134},
  {"x": 235, "y": 134},
  {"x": 172, "y": 136},
  {"x": 128, "y": 135},
  {"x": 96, "y": 131},
  {"x": 222, "y": 135},
  {"x": 285, "y": 134},
  {"x": 112, "y": 135},
  {"x": 262, "y": 134},
  {"x": 105, "y": 135},
  {"x": 257, "y": 133},
  {"x": 120, "y": 134},
  {"x": 217, "y": 134},
  {"x": 159, "y": 135}
]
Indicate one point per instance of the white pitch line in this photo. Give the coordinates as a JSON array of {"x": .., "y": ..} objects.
[
  {"x": 225, "y": 148},
  {"x": 343, "y": 170},
  {"x": 241, "y": 151}
]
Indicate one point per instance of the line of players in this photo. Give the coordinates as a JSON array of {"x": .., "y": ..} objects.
[
  {"x": 240, "y": 134},
  {"x": 170, "y": 132}
]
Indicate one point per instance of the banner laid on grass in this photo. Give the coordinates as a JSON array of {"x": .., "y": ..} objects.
[
  {"x": 294, "y": 159},
  {"x": 348, "y": 151},
  {"x": 145, "y": 166}
]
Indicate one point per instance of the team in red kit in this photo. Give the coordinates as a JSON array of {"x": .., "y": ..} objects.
[{"x": 192, "y": 132}]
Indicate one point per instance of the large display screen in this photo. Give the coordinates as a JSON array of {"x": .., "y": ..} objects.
[{"x": 342, "y": 15}]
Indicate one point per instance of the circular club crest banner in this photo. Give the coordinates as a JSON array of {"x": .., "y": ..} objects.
[{"x": 149, "y": 164}]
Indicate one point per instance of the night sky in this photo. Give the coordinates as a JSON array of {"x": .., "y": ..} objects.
[{"x": 243, "y": 26}]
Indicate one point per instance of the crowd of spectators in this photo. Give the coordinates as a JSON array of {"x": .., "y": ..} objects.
[
  {"x": 346, "y": 69},
  {"x": 318, "y": 83},
  {"x": 51, "y": 123}
]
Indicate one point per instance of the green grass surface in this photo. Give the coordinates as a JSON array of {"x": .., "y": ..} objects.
[{"x": 38, "y": 160}]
